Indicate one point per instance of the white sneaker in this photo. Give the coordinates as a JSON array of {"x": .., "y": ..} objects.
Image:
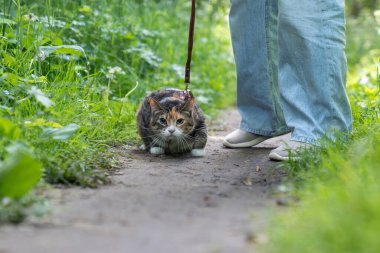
[
  {"x": 290, "y": 149},
  {"x": 243, "y": 139}
]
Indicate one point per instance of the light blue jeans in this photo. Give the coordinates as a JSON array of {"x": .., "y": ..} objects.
[{"x": 291, "y": 67}]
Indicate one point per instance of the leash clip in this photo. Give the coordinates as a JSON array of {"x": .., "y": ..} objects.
[{"x": 187, "y": 92}]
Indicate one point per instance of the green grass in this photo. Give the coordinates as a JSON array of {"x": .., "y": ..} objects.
[
  {"x": 337, "y": 184},
  {"x": 72, "y": 74},
  {"x": 339, "y": 199}
]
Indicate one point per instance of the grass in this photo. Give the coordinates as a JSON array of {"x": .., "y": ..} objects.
[
  {"x": 72, "y": 74},
  {"x": 337, "y": 183},
  {"x": 339, "y": 199}
]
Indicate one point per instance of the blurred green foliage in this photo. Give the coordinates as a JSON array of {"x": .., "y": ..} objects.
[{"x": 356, "y": 7}]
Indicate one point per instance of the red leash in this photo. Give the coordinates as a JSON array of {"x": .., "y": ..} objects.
[{"x": 190, "y": 46}]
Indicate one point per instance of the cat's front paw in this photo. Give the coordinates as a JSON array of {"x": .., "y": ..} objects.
[
  {"x": 198, "y": 152},
  {"x": 157, "y": 151}
]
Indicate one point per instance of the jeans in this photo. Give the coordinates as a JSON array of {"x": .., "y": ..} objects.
[{"x": 291, "y": 67}]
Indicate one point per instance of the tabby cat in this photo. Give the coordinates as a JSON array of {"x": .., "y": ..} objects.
[{"x": 170, "y": 122}]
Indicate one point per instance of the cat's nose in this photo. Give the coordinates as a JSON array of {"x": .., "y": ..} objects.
[{"x": 171, "y": 131}]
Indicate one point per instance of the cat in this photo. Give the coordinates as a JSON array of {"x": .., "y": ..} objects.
[{"x": 170, "y": 122}]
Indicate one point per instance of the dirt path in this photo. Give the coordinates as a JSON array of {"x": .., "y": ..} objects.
[{"x": 218, "y": 203}]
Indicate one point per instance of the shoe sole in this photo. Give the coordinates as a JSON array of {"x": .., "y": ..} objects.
[
  {"x": 245, "y": 144},
  {"x": 279, "y": 158}
]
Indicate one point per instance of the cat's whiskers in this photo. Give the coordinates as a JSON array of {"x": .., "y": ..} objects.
[
  {"x": 199, "y": 137},
  {"x": 179, "y": 142},
  {"x": 149, "y": 136},
  {"x": 183, "y": 144},
  {"x": 157, "y": 141},
  {"x": 186, "y": 145}
]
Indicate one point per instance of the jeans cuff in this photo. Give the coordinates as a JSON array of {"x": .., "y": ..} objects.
[
  {"x": 271, "y": 133},
  {"x": 304, "y": 139}
]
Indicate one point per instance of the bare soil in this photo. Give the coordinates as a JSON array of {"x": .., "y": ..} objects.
[{"x": 219, "y": 203}]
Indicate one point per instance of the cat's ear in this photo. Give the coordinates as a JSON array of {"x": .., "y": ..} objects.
[
  {"x": 155, "y": 105},
  {"x": 189, "y": 105}
]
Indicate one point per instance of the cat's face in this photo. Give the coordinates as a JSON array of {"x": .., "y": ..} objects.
[{"x": 174, "y": 123}]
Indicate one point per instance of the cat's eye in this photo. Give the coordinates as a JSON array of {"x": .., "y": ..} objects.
[
  {"x": 180, "y": 121},
  {"x": 162, "y": 121}
]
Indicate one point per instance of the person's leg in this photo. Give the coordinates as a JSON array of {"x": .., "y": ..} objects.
[
  {"x": 312, "y": 68},
  {"x": 254, "y": 38}
]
